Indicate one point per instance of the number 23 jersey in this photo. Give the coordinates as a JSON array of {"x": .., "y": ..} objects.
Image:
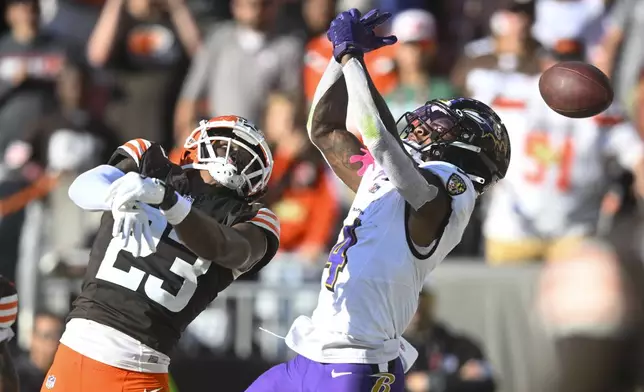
[
  {"x": 154, "y": 297},
  {"x": 374, "y": 273}
]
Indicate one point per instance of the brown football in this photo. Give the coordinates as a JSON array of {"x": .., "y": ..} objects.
[{"x": 576, "y": 89}]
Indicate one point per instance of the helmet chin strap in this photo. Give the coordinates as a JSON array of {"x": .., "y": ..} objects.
[
  {"x": 226, "y": 175},
  {"x": 414, "y": 149}
]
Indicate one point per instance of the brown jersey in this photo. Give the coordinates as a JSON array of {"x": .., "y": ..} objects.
[{"x": 154, "y": 297}]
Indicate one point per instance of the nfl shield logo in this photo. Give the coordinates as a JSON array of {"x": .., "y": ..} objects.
[{"x": 51, "y": 380}]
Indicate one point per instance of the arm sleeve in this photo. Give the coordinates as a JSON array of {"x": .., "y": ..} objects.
[
  {"x": 386, "y": 150},
  {"x": 89, "y": 190}
]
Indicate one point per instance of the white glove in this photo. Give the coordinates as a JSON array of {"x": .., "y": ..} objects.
[
  {"x": 131, "y": 188},
  {"x": 133, "y": 221}
]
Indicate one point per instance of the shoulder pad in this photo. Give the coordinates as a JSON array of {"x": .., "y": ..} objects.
[
  {"x": 456, "y": 182},
  {"x": 134, "y": 149},
  {"x": 267, "y": 220}
]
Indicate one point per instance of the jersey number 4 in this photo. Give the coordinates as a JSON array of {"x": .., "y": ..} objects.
[
  {"x": 133, "y": 278},
  {"x": 338, "y": 256}
]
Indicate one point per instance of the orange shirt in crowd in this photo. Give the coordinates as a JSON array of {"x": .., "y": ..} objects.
[
  {"x": 308, "y": 208},
  {"x": 380, "y": 64}
]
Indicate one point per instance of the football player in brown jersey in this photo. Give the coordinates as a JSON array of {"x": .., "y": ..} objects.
[{"x": 172, "y": 238}]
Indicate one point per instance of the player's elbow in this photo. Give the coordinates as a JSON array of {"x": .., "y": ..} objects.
[
  {"x": 89, "y": 190},
  {"x": 316, "y": 131},
  {"x": 321, "y": 124},
  {"x": 78, "y": 191}
]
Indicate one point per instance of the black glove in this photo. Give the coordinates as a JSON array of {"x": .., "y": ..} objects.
[{"x": 155, "y": 164}]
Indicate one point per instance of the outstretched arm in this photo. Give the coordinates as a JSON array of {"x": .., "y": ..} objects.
[
  {"x": 90, "y": 189},
  {"x": 370, "y": 115},
  {"x": 423, "y": 191},
  {"x": 327, "y": 126},
  {"x": 238, "y": 247}
]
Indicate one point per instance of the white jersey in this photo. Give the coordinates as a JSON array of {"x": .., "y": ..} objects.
[
  {"x": 557, "y": 178},
  {"x": 374, "y": 274}
]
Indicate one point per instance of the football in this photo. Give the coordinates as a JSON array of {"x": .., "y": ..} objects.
[{"x": 576, "y": 89}]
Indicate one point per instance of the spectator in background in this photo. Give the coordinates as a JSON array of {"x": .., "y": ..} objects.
[
  {"x": 146, "y": 44},
  {"x": 490, "y": 70},
  {"x": 32, "y": 367},
  {"x": 462, "y": 21},
  {"x": 240, "y": 64},
  {"x": 489, "y": 67},
  {"x": 73, "y": 118},
  {"x": 564, "y": 19},
  {"x": 447, "y": 362},
  {"x": 29, "y": 64},
  {"x": 550, "y": 197},
  {"x": 621, "y": 54},
  {"x": 416, "y": 32},
  {"x": 59, "y": 146}
]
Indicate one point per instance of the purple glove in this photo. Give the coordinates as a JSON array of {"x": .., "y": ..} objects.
[{"x": 350, "y": 33}]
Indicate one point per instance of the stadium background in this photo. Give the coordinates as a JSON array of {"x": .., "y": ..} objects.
[{"x": 85, "y": 75}]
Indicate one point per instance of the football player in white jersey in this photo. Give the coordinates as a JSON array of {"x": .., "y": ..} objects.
[{"x": 410, "y": 210}]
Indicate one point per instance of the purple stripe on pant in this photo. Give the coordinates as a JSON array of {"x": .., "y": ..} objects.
[{"x": 300, "y": 374}]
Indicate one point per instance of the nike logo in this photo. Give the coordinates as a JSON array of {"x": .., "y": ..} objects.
[
  {"x": 338, "y": 374},
  {"x": 153, "y": 390}
]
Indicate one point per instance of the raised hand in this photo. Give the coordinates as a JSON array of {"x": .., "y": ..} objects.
[{"x": 352, "y": 33}]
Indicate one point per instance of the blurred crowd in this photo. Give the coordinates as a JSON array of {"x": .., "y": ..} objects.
[{"x": 80, "y": 77}]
